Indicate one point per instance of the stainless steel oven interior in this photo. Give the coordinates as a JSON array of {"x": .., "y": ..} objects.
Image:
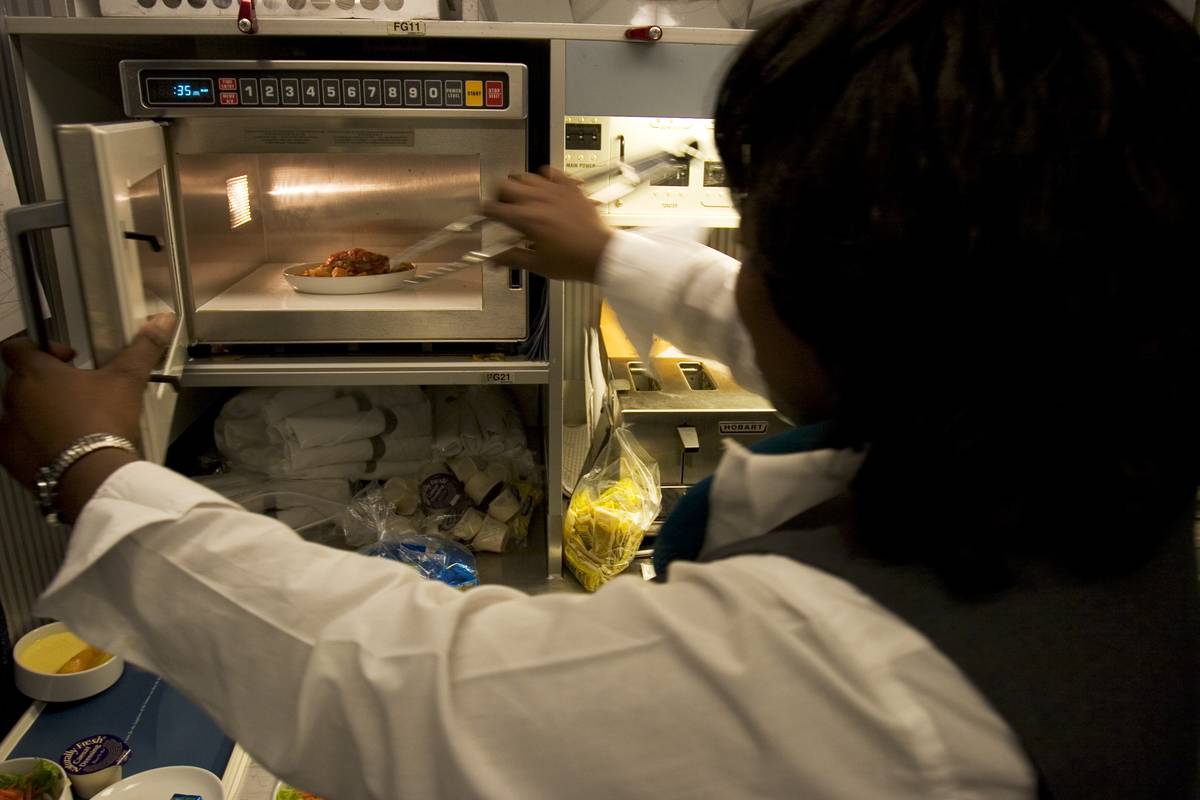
[{"x": 262, "y": 189}]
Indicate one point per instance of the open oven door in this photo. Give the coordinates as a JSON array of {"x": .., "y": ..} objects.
[{"x": 118, "y": 193}]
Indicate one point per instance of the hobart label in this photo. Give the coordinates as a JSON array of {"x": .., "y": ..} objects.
[{"x": 742, "y": 428}]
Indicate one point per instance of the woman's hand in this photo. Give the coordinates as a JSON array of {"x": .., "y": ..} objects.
[
  {"x": 568, "y": 235},
  {"x": 48, "y": 403}
]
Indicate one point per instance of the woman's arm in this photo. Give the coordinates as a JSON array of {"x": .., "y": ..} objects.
[{"x": 657, "y": 282}]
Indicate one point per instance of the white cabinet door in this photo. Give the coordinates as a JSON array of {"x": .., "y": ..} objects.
[{"x": 115, "y": 178}]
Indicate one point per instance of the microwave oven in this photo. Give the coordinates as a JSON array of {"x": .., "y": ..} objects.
[{"x": 230, "y": 171}]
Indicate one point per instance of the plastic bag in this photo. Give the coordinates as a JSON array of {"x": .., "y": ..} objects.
[
  {"x": 476, "y": 421},
  {"x": 611, "y": 510},
  {"x": 311, "y": 508},
  {"x": 370, "y": 518},
  {"x": 435, "y": 557},
  {"x": 486, "y": 504}
]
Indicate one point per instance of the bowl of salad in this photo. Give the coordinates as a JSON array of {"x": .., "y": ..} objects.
[
  {"x": 285, "y": 792},
  {"x": 33, "y": 779}
]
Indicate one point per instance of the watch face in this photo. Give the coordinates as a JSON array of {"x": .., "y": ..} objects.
[{"x": 46, "y": 487}]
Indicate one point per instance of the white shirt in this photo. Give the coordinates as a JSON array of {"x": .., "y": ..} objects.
[{"x": 353, "y": 677}]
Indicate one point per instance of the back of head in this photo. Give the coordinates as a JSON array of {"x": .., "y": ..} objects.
[{"x": 978, "y": 213}]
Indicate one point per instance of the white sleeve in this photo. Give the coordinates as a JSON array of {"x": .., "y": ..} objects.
[
  {"x": 353, "y": 677},
  {"x": 683, "y": 292}
]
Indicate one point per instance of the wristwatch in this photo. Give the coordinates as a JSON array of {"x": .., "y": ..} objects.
[{"x": 48, "y": 477}]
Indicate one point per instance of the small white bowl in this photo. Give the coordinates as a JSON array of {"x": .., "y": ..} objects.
[
  {"x": 23, "y": 766},
  {"x": 161, "y": 783},
  {"x": 54, "y": 688}
]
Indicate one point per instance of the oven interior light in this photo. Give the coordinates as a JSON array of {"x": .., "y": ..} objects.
[{"x": 237, "y": 192}]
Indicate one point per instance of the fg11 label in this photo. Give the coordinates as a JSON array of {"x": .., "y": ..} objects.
[{"x": 409, "y": 27}]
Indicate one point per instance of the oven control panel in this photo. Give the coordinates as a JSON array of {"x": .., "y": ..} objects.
[
  {"x": 695, "y": 191},
  {"x": 217, "y": 88}
]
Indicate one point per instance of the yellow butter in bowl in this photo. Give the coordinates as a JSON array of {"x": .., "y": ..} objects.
[
  {"x": 62, "y": 653},
  {"x": 85, "y": 659}
]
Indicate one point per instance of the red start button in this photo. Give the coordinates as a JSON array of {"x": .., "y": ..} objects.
[
  {"x": 494, "y": 94},
  {"x": 229, "y": 98},
  {"x": 227, "y": 84}
]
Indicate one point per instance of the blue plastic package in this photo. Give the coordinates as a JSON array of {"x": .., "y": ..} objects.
[{"x": 435, "y": 557}]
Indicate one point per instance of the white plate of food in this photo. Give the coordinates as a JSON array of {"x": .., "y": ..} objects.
[
  {"x": 165, "y": 782},
  {"x": 353, "y": 271}
]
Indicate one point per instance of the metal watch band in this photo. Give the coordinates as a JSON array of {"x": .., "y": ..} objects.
[{"x": 49, "y": 476}]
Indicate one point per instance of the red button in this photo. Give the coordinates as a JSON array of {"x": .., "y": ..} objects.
[
  {"x": 494, "y": 92},
  {"x": 229, "y": 98},
  {"x": 227, "y": 84}
]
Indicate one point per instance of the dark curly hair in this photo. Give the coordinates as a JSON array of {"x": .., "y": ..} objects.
[{"x": 981, "y": 214}]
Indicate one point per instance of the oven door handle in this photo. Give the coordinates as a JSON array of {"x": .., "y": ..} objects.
[{"x": 21, "y": 222}]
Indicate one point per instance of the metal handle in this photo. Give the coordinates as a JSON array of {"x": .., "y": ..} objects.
[
  {"x": 688, "y": 438},
  {"x": 148, "y": 238},
  {"x": 22, "y": 221}
]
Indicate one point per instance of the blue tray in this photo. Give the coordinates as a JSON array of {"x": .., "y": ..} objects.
[{"x": 160, "y": 725}]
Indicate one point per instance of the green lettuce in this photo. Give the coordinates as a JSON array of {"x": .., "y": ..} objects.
[{"x": 43, "y": 781}]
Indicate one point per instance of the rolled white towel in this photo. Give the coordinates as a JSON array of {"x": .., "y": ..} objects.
[
  {"x": 324, "y": 431},
  {"x": 286, "y": 402},
  {"x": 390, "y": 449},
  {"x": 381, "y": 470},
  {"x": 476, "y": 421},
  {"x": 363, "y": 470}
]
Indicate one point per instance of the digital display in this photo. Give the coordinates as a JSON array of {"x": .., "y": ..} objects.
[
  {"x": 677, "y": 174},
  {"x": 179, "y": 91},
  {"x": 714, "y": 174}
]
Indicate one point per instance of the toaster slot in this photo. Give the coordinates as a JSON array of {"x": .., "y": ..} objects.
[
  {"x": 696, "y": 375},
  {"x": 643, "y": 381}
]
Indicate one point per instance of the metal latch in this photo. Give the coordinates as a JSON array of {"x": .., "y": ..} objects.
[
  {"x": 644, "y": 33},
  {"x": 688, "y": 438},
  {"x": 247, "y": 21}
]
